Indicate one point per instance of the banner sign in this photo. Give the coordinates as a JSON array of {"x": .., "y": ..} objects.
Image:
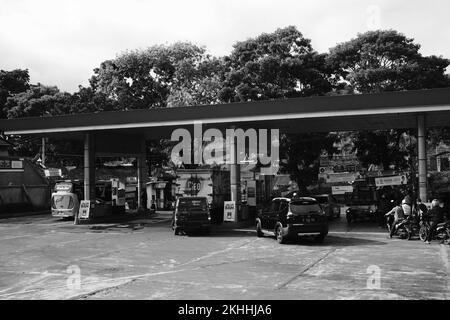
[
  {"x": 83, "y": 212},
  {"x": 53, "y": 172},
  {"x": 391, "y": 181},
  {"x": 8, "y": 165},
  {"x": 341, "y": 189},
  {"x": 341, "y": 177},
  {"x": 229, "y": 211}
]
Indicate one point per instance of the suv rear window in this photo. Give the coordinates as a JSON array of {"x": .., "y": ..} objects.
[
  {"x": 192, "y": 203},
  {"x": 303, "y": 207}
]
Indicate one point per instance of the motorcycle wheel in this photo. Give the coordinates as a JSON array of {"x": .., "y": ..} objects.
[
  {"x": 402, "y": 233},
  {"x": 408, "y": 234},
  {"x": 446, "y": 239},
  {"x": 423, "y": 233}
]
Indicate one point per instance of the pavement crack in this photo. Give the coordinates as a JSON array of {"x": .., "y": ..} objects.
[{"x": 305, "y": 269}]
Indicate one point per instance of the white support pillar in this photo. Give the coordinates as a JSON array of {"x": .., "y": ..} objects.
[
  {"x": 422, "y": 157},
  {"x": 235, "y": 178},
  {"x": 89, "y": 166},
  {"x": 141, "y": 174},
  {"x": 89, "y": 170}
]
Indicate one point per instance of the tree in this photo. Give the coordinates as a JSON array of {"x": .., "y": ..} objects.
[
  {"x": 281, "y": 64},
  {"x": 302, "y": 153},
  {"x": 38, "y": 101},
  {"x": 87, "y": 100},
  {"x": 12, "y": 82},
  {"x": 384, "y": 60},
  {"x": 142, "y": 79},
  {"x": 197, "y": 83},
  {"x": 390, "y": 148}
]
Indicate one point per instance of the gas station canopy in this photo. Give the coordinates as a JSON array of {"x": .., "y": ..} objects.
[
  {"x": 126, "y": 131},
  {"x": 312, "y": 114}
]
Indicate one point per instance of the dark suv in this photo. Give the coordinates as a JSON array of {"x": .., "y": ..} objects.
[
  {"x": 288, "y": 218},
  {"x": 191, "y": 214}
]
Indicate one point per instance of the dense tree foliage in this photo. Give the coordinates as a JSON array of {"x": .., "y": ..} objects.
[
  {"x": 37, "y": 101},
  {"x": 385, "y": 60},
  {"x": 177, "y": 74},
  {"x": 274, "y": 65},
  {"x": 12, "y": 82}
]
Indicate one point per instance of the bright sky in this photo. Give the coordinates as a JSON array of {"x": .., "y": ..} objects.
[{"x": 61, "y": 41}]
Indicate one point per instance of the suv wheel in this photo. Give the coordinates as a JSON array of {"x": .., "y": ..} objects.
[
  {"x": 320, "y": 238},
  {"x": 176, "y": 231},
  {"x": 259, "y": 232},
  {"x": 279, "y": 234}
]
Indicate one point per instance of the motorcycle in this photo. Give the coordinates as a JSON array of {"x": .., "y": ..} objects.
[
  {"x": 403, "y": 228},
  {"x": 441, "y": 233}
]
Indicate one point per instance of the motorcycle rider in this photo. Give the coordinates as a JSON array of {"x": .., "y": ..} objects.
[
  {"x": 399, "y": 214},
  {"x": 421, "y": 207},
  {"x": 436, "y": 215}
]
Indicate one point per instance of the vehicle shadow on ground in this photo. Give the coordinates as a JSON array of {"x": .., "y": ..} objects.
[
  {"x": 335, "y": 241},
  {"x": 330, "y": 240},
  {"x": 124, "y": 226},
  {"x": 224, "y": 234}
]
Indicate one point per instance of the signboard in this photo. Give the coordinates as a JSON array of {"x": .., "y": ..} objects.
[
  {"x": 194, "y": 185},
  {"x": 344, "y": 160},
  {"x": 63, "y": 186},
  {"x": 341, "y": 189},
  {"x": 8, "y": 165},
  {"x": 83, "y": 212},
  {"x": 229, "y": 211},
  {"x": 53, "y": 172},
  {"x": 341, "y": 177},
  {"x": 16, "y": 164},
  {"x": 391, "y": 181}
]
